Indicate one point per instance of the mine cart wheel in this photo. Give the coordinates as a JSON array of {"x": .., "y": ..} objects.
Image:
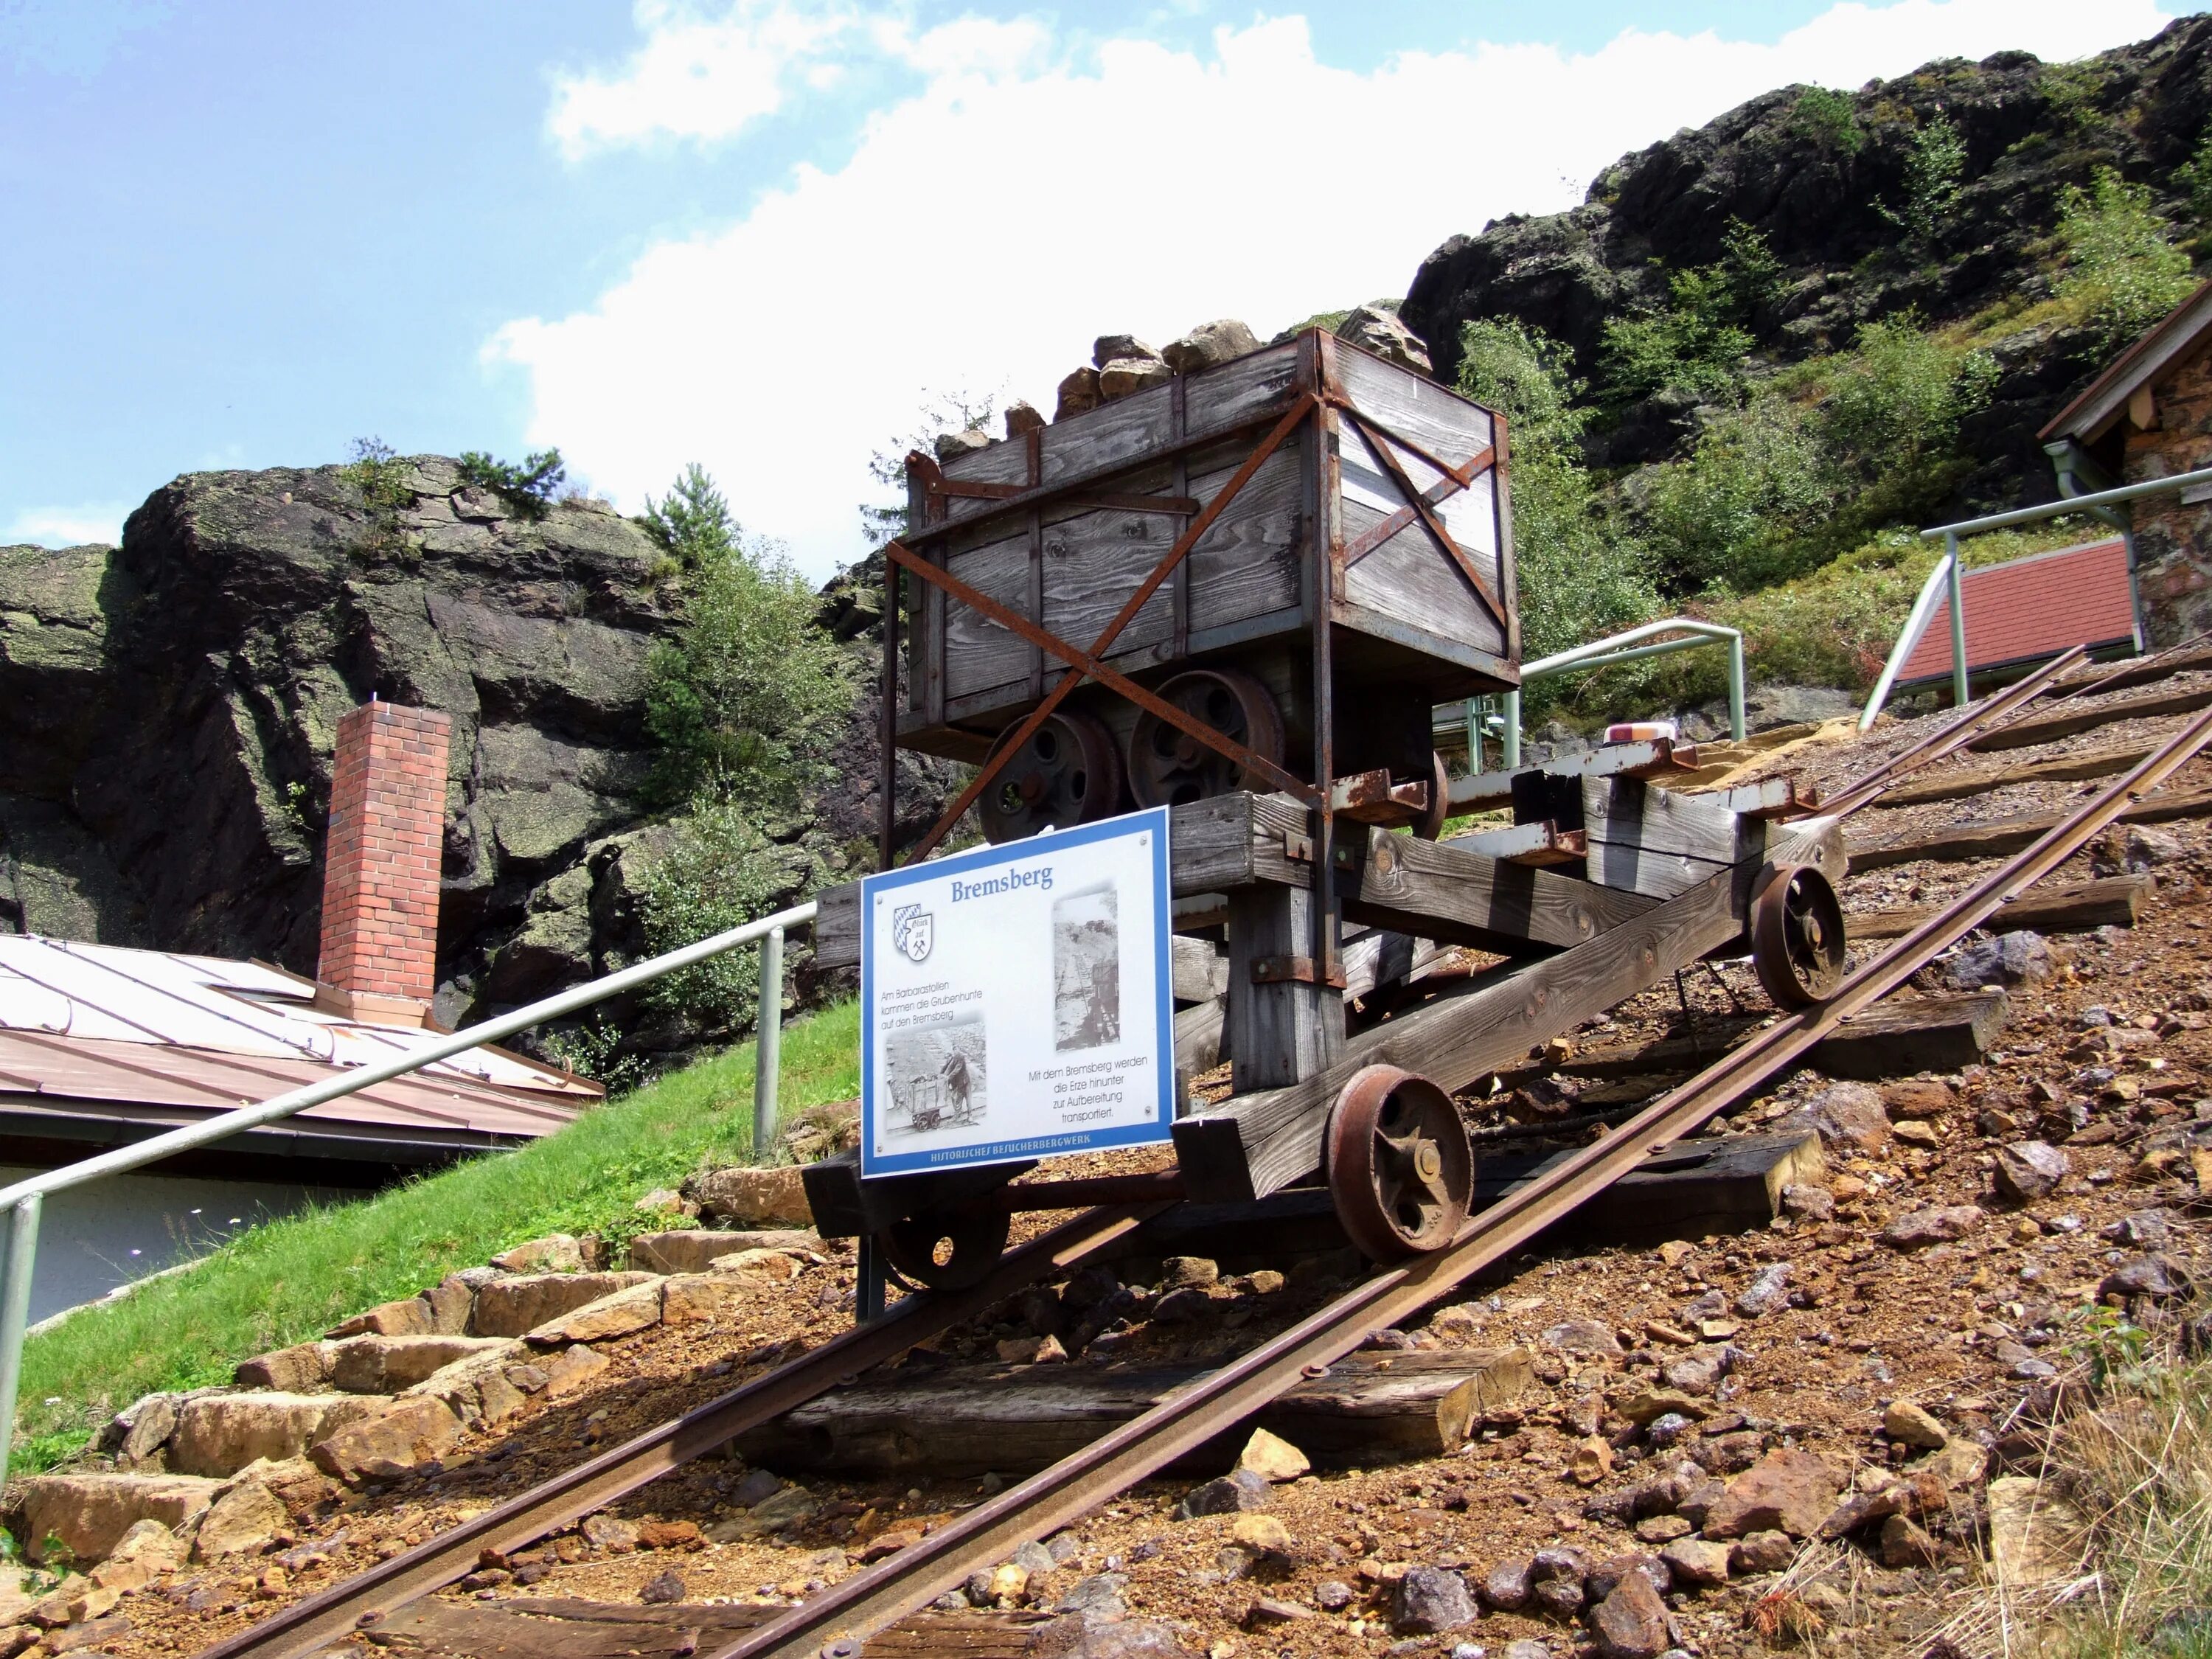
[
  {"x": 1068, "y": 773},
  {"x": 1430, "y": 823},
  {"x": 1168, "y": 767},
  {"x": 1797, "y": 936},
  {"x": 1401, "y": 1169},
  {"x": 945, "y": 1252}
]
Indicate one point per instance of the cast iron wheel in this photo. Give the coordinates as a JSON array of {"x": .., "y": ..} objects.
[
  {"x": 1401, "y": 1171},
  {"x": 1068, "y": 773},
  {"x": 1168, "y": 767},
  {"x": 948, "y": 1252},
  {"x": 1430, "y": 823},
  {"x": 1797, "y": 937}
]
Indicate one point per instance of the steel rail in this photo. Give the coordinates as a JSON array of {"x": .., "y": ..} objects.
[
  {"x": 309, "y": 1625},
  {"x": 1977, "y": 719},
  {"x": 881, "y": 1594}
]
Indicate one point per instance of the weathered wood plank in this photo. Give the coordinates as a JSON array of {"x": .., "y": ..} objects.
[
  {"x": 1197, "y": 1044},
  {"x": 975, "y": 653},
  {"x": 1962, "y": 842},
  {"x": 2112, "y": 902},
  {"x": 1010, "y": 1420},
  {"x": 2066, "y": 721},
  {"x": 1199, "y": 970},
  {"x": 1660, "y": 842},
  {"x": 1409, "y": 579},
  {"x": 1279, "y": 1030},
  {"x": 1486, "y": 791},
  {"x": 562, "y": 1628},
  {"x": 1710, "y": 1185},
  {"x": 1252, "y": 1145},
  {"x": 1445, "y": 890},
  {"x": 2095, "y": 763},
  {"x": 1901, "y": 1036},
  {"x": 1447, "y": 426}
]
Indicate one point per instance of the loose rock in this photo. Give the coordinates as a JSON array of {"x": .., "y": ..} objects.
[
  {"x": 1786, "y": 1490},
  {"x": 2029, "y": 1169},
  {"x": 1913, "y": 1427},
  {"x": 1938, "y": 1226},
  {"x": 1273, "y": 1458},
  {"x": 1429, "y": 1601},
  {"x": 1231, "y": 1494},
  {"x": 1631, "y": 1623}
]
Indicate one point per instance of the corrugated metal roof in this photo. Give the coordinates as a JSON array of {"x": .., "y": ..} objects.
[
  {"x": 189, "y": 1036},
  {"x": 2034, "y": 607}
]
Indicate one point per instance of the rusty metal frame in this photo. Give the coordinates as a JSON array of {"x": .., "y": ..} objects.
[{"x": 1082, "y": 663}]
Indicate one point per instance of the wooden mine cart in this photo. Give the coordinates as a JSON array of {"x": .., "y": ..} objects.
[{"x": 1238, "y": 593}]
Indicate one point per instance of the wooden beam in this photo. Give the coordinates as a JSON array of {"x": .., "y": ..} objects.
[
  {"x": 1200, "y": 971},
  {"x": 1710, "y": 1185},
  {"x": 2095, "y": 763},
  {"x": 559, "y": 1627},
  {"x": 2112, "y": 902},
  {"x": 1902, "y": 1037},
  {"x": 1252, "y": 1145},
  {"x": 1015, "y": 1419},
  {"x": 1285, "y": 1017},
  {"x": 1540, "y": 844},
  {"x": 1660, "y": 842},
  {"x": 2149, "y": 670},
  {"x": 1965, "y": 841},
  {"x": 1647, "y": 758},
  {"x": 2065, "y": 721},
  {"x": 1447, "y": 890},
  {"x": 1765, "y": 798}
]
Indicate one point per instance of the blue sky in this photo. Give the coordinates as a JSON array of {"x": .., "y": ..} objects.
[{"x": 240, "y": 236}]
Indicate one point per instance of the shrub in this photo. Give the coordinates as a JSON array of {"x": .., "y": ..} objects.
[
  {"x": 751, "y": 695},
  {"x": 2193, "y": 178},
  {"x": 2123, "y": 271},
  {"x": 1697, "y": 345},
  {"x": 1732, "y": 514},
  {"x": 381, "y": 478},
  {"x": 1578, "y": 581},
  {"x": 692, "y": 521},
  {"x": 721, "y": 872},
  {"x": 1829, "y": 118},
  {"x": 1935, "y": 168},
  {"x": 528, "y": 489}
]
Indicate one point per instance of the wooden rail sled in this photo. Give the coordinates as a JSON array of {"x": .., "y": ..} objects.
[{"x": 1276, "y": 567}]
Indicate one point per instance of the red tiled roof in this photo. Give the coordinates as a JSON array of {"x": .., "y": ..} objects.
[{"x": 2033, "y": 607}]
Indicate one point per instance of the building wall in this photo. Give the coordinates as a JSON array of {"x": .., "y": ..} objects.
[{"x": 2173, "y": 535}]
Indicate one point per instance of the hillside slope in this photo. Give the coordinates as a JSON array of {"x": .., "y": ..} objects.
[{"x": 1824, "y": 179}]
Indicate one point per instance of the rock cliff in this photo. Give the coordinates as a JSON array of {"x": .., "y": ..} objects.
[{"x": 164, "y": 763}]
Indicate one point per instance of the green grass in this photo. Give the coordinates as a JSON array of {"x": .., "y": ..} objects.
[{"x": 291, "y": 1279}]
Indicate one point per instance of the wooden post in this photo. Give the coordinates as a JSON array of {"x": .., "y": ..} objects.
[{"x": 1285, "y": 1021}]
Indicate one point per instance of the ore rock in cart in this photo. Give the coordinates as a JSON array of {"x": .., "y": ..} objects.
[{"x": 1238, "y": 594}]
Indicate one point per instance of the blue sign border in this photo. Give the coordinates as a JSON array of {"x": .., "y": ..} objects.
[{"x": 1153, "y": 820}]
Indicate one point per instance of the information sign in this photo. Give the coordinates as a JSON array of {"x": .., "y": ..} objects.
[{"x": 1015, "y": 1001}]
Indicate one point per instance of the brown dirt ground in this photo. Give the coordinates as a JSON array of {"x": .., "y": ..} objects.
[{"x": 1880, "y": 1325}]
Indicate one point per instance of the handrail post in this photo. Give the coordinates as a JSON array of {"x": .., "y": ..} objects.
[
  {"x": 1735, "y": 685},
  {"x": 1958, "y": 586},
  {"x": 1510, "y": 739},
  {"x": 768, "y": 1045},
  {"x": 15, "y": 1314}
]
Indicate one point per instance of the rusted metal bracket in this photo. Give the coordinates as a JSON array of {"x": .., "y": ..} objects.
[
  {"x": 1297, "y": 971},
  {"x": 1371, "y": 797},
  {"x": 1535, "y": 844}
]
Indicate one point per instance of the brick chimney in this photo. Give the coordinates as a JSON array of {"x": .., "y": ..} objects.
[{"x": 379, "y": 957}]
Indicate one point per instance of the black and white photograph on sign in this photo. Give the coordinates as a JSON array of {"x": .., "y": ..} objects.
[
  {"x": 936, "y": 1077},
  {"x": 1087, "y": 969}
]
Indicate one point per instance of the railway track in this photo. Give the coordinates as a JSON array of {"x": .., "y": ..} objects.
[{"x": 830, "y": 1623}]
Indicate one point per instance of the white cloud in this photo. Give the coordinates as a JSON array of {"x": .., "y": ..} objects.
[
  {"x": 68, "y": 527},
  {"x": 1024, "y": 199},
  {"x": 695, "y": 78}
]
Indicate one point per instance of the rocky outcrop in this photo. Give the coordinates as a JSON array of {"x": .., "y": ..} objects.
[
  {"x": 1816, "y": 185},
  {"x": 165, "y": 763}
]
